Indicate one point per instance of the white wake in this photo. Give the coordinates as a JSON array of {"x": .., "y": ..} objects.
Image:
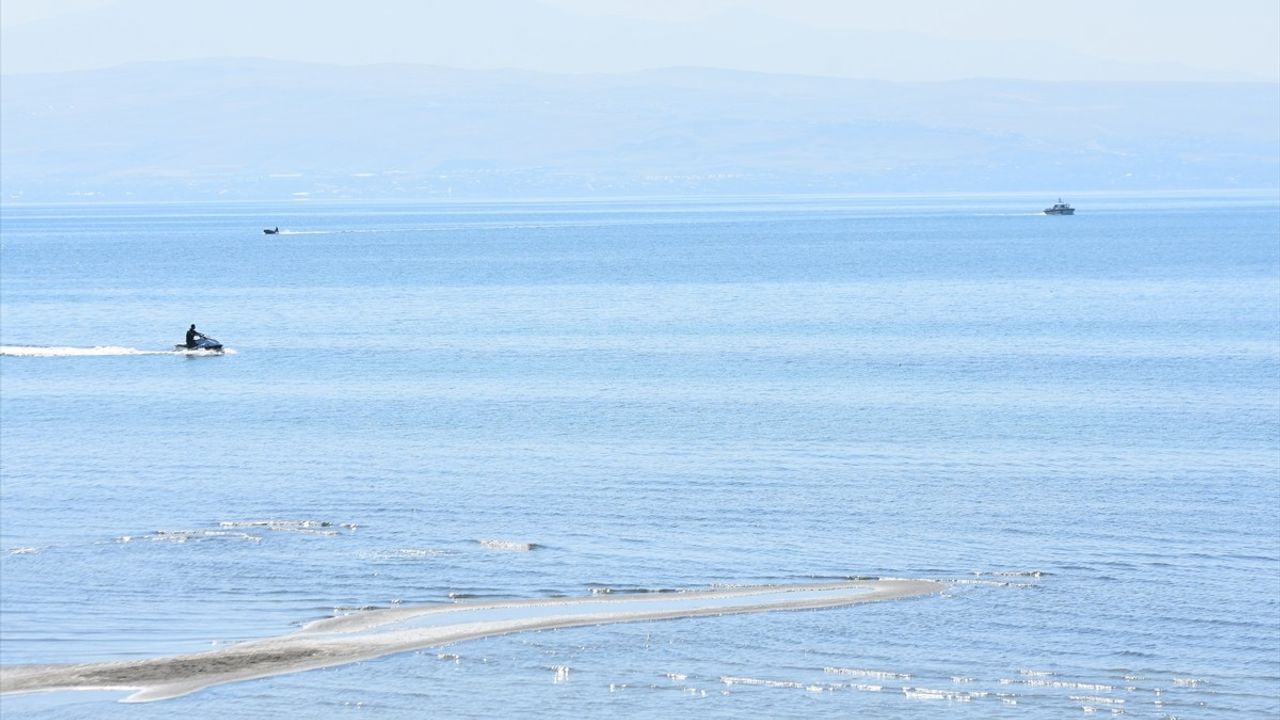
[{"x": 95, "y": 351}]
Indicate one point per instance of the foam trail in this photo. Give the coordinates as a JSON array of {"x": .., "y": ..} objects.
[
  {"x": 97, "y": 351},
  {"x": 374, "y": 633}
]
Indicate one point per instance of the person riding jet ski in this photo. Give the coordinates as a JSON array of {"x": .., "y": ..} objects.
[{"x": 197, "y": 340}]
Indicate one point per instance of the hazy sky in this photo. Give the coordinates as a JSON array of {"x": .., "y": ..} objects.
[{"x": 900, "y": 40}]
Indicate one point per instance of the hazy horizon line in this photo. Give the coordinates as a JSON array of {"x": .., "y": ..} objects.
[{"x": 264, "y": 60}]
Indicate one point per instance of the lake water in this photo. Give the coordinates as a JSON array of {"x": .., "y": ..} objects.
[{"x": 1074, "y": 420}]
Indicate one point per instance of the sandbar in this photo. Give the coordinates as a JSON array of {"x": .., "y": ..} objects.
[{"x": 375, "y": 633}]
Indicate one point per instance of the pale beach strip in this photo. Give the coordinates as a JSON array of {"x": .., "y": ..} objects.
[{"x": 375, "y": 633}]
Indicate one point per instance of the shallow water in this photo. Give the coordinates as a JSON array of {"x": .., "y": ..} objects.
[{"x": 1076, "y": 420}]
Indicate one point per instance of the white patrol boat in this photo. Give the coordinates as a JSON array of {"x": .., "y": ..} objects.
[{"x": 1060, "y": 208}]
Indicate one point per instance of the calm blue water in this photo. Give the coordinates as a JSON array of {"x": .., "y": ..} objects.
[{"x": 1075, "y": 419}]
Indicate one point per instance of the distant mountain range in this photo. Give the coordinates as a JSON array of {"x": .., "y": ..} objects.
[{"x": 265, "y": 130}]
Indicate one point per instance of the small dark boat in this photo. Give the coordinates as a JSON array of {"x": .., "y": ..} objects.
[{"x": 271, "y": 231}]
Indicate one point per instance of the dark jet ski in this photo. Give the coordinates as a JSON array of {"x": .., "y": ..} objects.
[
  {"x": 207, "y": 344},
  {"x": 271, "y": 231}
]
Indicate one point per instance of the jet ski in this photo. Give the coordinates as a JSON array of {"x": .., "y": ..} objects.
[
  {"x": 207, "y": 344},
  {"x": 272, "y": 231}
]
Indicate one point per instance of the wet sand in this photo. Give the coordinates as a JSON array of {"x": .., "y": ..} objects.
[{"x": 375, "y": 633}]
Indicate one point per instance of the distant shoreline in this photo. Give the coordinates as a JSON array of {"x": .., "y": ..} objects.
[{"x": 1032, "y": 196}]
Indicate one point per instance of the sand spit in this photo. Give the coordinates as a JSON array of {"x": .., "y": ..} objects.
[{"x": 374, "y": 633}]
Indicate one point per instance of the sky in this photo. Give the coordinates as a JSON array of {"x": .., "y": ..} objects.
[{"x": 918, "y": 40}]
